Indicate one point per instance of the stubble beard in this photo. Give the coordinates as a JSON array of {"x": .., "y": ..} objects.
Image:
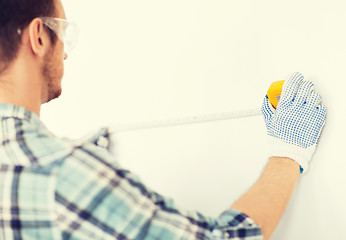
[{"x": 52, "y": 74}]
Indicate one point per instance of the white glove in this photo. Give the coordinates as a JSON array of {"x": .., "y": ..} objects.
[{"x": 295, "y": 126}]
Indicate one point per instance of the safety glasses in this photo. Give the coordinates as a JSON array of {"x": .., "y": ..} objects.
[{"x": 66, "y": 31}]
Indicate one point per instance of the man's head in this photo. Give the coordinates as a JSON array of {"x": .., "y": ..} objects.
[{"x": 25, "y": 39}]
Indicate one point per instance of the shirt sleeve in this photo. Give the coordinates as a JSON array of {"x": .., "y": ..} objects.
[{"x": 97, "y": 199}]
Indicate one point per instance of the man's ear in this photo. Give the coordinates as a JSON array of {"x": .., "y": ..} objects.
[{"x": 38, "y": 38}]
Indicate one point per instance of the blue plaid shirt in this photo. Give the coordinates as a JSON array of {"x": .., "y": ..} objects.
[{"x": 53, "y": 188}]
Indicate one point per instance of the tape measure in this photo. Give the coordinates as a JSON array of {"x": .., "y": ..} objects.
[{"x": 273, "y": 94}]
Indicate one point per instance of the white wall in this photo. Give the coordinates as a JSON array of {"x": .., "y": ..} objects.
[{"x": 147, "y": 60}]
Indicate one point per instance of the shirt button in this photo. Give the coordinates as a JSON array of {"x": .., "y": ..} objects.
[{"x": 102, "y": 142}]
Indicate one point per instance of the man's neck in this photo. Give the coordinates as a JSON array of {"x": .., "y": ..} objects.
[{"x": 20, "y": 86}]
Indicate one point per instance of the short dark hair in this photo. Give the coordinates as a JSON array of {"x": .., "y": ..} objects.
[{"x": 17, "y": 14}]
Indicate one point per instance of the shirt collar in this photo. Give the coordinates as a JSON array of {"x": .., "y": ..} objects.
[{"x": 13, "y": 111}]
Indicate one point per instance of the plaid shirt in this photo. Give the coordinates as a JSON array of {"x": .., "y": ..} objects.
[{"x": 53, "y": 188}]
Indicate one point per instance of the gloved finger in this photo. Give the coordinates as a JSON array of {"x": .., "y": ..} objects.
[
  {"x": 321, "y": 120},
  {"x": 267, "y": 109},
  {"x": 322, "y": 108},
  {"x": 314, "y": 99},
  {"x": 303, "y": 93},
  {"x": 290, "y": 88}
]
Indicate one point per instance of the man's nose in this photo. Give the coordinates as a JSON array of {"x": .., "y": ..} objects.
[{"x": 65, "y": 56}]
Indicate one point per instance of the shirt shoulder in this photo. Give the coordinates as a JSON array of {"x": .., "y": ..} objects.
[{"x": 29, "y": 144}]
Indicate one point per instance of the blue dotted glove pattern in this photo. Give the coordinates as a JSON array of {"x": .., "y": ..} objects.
[{"x": 300, "y": 115}]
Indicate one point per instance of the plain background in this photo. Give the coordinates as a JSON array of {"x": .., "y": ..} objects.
[{"x": 147, "y": 60}]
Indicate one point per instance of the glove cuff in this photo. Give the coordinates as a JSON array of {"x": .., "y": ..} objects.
[{"x": 278, "y": 148}]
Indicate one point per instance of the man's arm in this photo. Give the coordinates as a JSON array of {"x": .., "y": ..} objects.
[
  {"x": 293, "y": 131},
  {"x": 266, "y": 201}
]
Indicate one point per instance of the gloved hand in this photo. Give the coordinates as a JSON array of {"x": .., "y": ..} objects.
[{"x": 295, "y": 126}]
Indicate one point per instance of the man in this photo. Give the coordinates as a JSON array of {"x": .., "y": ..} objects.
[{"x": 53, "y": 188}]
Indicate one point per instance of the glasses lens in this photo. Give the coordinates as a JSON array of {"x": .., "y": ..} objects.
[
  {"x": 70, "y": 36},
  {"x": 65, "y": 30}
]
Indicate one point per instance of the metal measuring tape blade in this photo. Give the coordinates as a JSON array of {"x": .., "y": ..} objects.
[{"x": 273, "y": 94}]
